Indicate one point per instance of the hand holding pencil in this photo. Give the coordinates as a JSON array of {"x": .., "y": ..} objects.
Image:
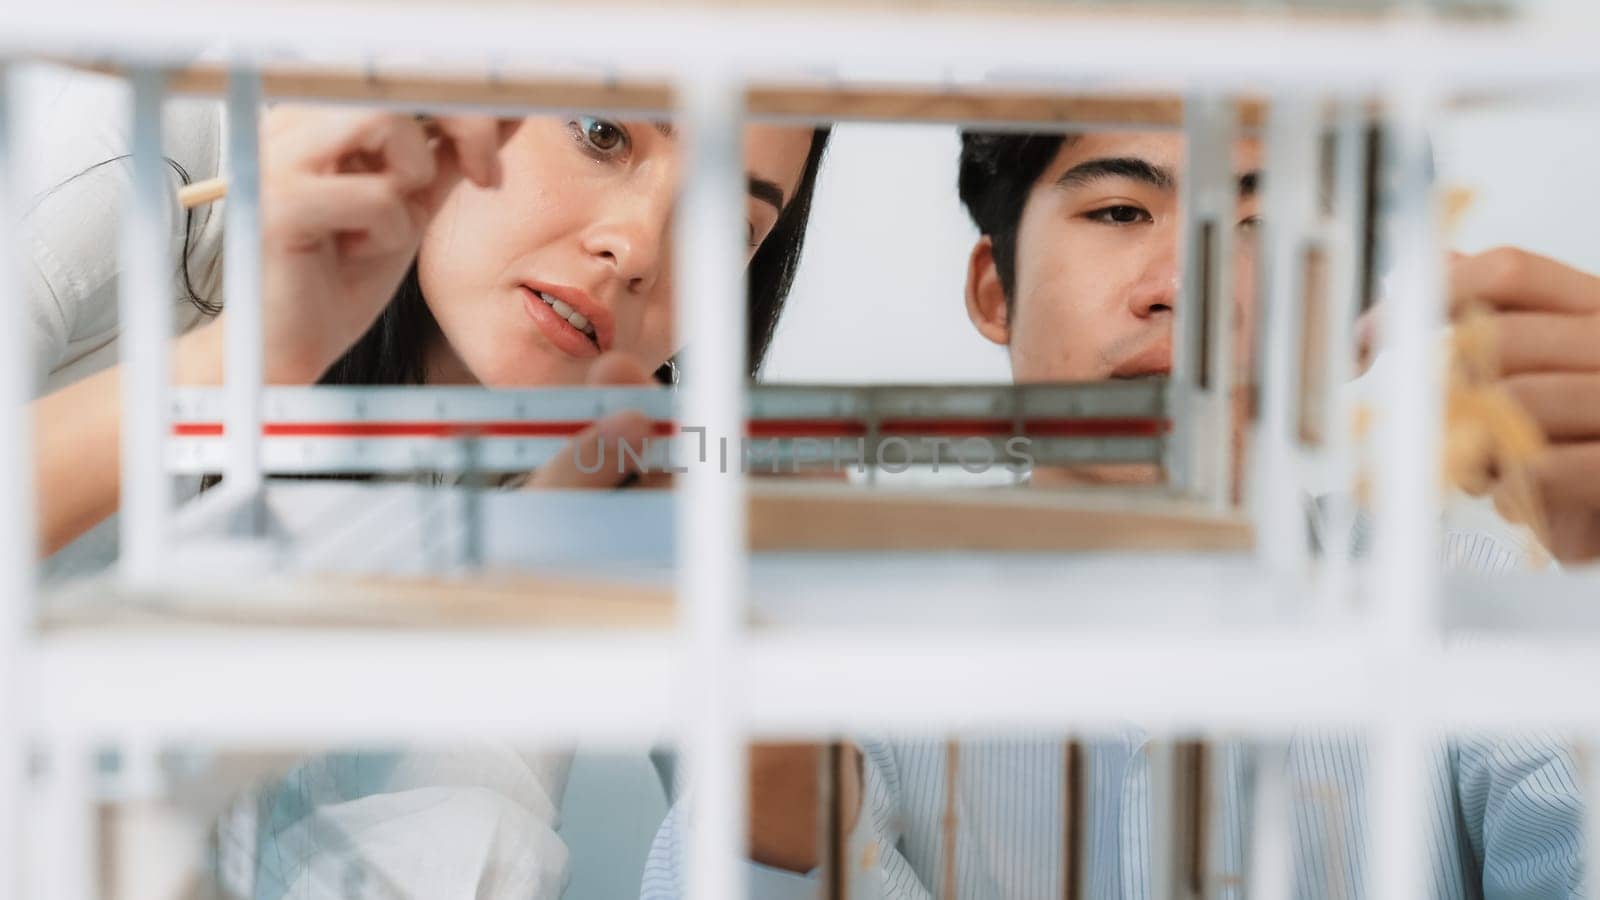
[{"x": 346, "y": 196}]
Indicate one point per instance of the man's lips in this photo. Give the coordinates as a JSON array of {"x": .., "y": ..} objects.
[{"x": 1154, "y": 360}]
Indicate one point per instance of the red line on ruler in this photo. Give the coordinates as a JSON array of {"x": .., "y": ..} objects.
[{"x": 1106, "y": 426}]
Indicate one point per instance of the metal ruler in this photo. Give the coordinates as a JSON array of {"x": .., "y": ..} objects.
[{"x": 346, "y": 430}]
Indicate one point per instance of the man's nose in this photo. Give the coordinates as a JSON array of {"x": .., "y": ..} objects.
[{"x": 1156, "y": 291}]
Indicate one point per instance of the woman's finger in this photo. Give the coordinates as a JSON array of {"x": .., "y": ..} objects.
[
  {"x": 407, "y": 157},
  {"x": 364, "y": 211},
  {"x": 595, "y": 458},
  {"x": 475, "y": 141},
  {"x": 326, "y": 140},
  {"x": 1508, "y": 278}
]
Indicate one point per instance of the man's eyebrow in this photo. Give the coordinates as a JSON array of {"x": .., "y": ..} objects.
[
  {"x": 767, "y": 192},
  {"x": 1158, "y": 177},
  {"x": 1132, "y": 167}
]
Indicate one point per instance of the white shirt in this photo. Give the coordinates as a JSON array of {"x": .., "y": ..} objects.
[
  {"x": 74, "y": 180},
  {"x": 1504, "y": 815}
]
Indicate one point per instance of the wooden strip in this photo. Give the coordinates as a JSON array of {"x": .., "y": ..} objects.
[
  {"x": 976, "y": 104},
  {"x": 814, "y": 516},
  {"x": 837, "y": 831},
  {"x": 952, "y": 781},
  {"x": 1190, "y": 838},
  {"x": 385, "y": 602},
  {"x": 1072, "y": 822},
  {"x": 426, "y": 88}
]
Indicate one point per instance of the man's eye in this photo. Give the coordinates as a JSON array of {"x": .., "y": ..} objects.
[
  {"x": 1119, "y": 215},
  {"x": 600, "y": 136},
  {"x": 1250, "y": 224}
]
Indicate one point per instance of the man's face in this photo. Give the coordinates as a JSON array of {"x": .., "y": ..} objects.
[
  {"x": 1097, "y": 261},
  {"x": 1096, "y": 280}
]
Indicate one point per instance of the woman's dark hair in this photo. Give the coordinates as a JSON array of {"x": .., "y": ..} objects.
[
  {"x": 391, "y": 352},
  {"x": 206, "y": 307},
  {"x": 997, "y": 172}
]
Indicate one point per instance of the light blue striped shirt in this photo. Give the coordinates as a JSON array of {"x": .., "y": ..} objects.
[{"x": 1505, "y": 814}]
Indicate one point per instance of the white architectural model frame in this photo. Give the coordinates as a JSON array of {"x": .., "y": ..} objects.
[{"x": 714, "y": 683}]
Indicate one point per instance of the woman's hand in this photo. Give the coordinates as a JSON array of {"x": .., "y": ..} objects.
[
  {"x": 602, "y": 441},
  {"x": 346, "y": 194},
  {"x": 1546, "y": 319}
]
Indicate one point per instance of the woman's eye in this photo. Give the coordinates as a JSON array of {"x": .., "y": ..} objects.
[
  {"x": 602, "y": 137},
  {"x": 1119, "y": 215},
  {"x": 1250, "y": 224}
]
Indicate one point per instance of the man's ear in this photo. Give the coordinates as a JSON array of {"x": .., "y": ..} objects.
[{"x": 986, "y": 296}]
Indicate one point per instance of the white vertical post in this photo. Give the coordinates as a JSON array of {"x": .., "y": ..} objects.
[
  {"x": 1203, "y": 345},
  {"x": 1406, "y": 527},
  {"x": 1344, "y": 241},
  {"x": 242, "y": 284},
  {"x": 1180, "y": 458},
  {"x": 1162, "y": 780},
  {"x": 1591, "y": 814},
  {"x": 711, "y": 514},
  {"x": 17, "y": 531},
  {"x": 145, "y": 312},
  {"x": 69, "y": 834},
  {"x": 1271, "y": 860},
  {"x": 1288, "y": 197}
]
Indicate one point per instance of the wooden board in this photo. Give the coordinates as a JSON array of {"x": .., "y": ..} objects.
[
  {"x": 322, "y": 82},
  {"x": 381, "y": 601},
  {"x": 967, "y": 103},
  {"x": 792, "y": 517},
  {"x": 977, "y": 104},
  {"x": 784, "y": 515}
]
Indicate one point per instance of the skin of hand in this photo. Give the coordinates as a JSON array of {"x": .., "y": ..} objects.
[
  {"x": 604, "y": 437},
  {"x": 1545, "y": 318},
  {"x": 346, "y": 196},
  {"x": 1546, "y": 326}
]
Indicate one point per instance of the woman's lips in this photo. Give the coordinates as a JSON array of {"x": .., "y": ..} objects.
[{"x": 556, "y": 329}]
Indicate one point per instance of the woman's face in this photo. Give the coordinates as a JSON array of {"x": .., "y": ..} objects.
[{"x": 572, "y": 254}]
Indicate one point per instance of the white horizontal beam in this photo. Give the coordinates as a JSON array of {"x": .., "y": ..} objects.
[
  {"x": 1225, "y": 52},
  {"x": 300, "y": 687}
]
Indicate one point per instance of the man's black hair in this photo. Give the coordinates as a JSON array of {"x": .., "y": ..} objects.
[{"x": 998, "y": 170}]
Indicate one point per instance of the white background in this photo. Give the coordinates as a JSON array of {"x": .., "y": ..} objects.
[{"x": 878, "y": 296}]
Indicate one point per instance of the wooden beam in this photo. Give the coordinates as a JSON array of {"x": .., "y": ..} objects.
[
  {"x": 801, "y": 515},
  {"x": 811, "y": 516},
  {"x": 316, "y": 82},
  {"x": 975, "y": 104},
  {"x": 386, "y": 601}
]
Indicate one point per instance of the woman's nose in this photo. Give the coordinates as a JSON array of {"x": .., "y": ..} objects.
[{"x": 632, "y": 242}]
